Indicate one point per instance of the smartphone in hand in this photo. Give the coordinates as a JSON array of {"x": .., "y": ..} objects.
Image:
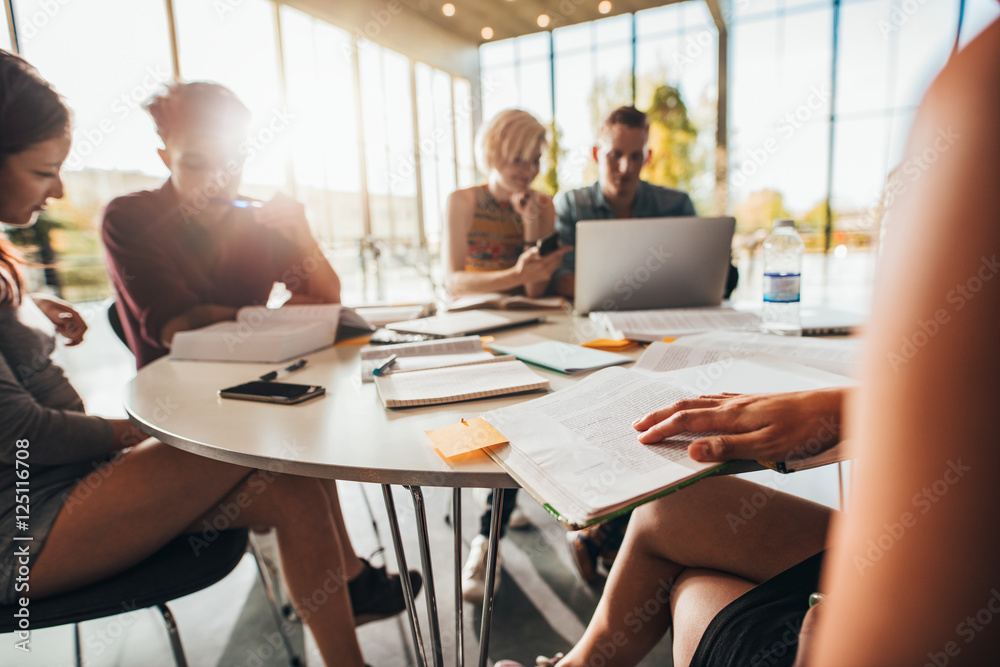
[
  {"x": 273, "y": 392},
  {"x": 548, "y": 245}
]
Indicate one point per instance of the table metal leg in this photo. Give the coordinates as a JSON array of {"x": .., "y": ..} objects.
[
  {"x": 397, "y": 543},
  {"x": 425, "y": 559},
  {"x": 456, "y": 524},
  {"x": 491, "y": 572}
]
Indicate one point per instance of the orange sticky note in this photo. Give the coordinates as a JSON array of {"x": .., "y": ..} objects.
[
  {"x": 610, "y": 344},
  {"x": 668, "y": 339},
  {"x": 464, "y": 437}
]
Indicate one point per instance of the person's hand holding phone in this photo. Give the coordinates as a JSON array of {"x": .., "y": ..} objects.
[
  {"x": 532, "y": 267},
  {"x": 532, "y": 207}
]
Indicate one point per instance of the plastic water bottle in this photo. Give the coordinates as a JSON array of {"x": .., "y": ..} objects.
[{"x": 782, "y": 280}]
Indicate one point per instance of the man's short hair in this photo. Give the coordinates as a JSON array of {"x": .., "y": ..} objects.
[{"x": 627, "y": 116}]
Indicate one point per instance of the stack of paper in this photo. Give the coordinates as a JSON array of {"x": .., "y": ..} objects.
[
  {"x": 651, "y": 325},
  {"x": 840, "y": 356},
  {"x": 576, "y": 453}
]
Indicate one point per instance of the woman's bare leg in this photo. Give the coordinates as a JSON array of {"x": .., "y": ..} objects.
[
  {"x": 155, "y": 492},
  {"x": 352, "y": 563},
  {"x": 697, "y": 529},
  {"x": 313, "y": 557}
]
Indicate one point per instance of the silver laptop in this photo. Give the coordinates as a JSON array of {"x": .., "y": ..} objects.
[{"x": 649, "y": 263}]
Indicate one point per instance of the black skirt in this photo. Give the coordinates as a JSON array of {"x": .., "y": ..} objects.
[{"x": 761, "y": 627}]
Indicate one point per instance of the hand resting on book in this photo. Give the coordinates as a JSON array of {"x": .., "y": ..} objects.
[{"x": 769, "y": 427}]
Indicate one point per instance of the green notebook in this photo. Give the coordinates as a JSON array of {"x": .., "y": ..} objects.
[{"x": 562, "y": 357}]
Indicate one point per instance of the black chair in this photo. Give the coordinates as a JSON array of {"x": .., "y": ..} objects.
[
  {"x": 172, "y": 572},
  {"x": 115, "y": 320}
]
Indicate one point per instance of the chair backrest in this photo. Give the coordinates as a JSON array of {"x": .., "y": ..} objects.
[{"x": 115, "y": 320}]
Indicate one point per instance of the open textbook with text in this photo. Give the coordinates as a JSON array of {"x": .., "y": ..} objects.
[{"x": 575, "y": 450}]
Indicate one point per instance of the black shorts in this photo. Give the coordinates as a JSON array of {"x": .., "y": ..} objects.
[{"x": 761, "y": 627}]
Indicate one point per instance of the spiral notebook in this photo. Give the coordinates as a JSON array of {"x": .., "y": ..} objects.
[{"x": 457, "y": 383}]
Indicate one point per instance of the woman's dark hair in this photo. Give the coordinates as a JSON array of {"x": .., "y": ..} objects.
[{"x": 31, "y": 111}]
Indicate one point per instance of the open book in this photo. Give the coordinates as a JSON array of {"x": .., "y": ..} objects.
[
  {"x": 575, "y": 450},
  {"x": 457, "y": 383},
  {"x": 261, "y": 334},
  {"x": 505, "y": 302}
]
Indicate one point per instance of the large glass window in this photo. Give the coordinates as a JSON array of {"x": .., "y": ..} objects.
[
  {"x": 114, "y": 145},
  {"x": 235, "y": 44},
  {"x": 323, "y": 133}
]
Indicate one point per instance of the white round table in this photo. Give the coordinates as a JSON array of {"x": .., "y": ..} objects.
[{"x": 345, "y": 435}]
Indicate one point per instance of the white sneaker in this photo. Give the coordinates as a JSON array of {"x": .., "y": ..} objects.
[{"x": 474, "y": 572}]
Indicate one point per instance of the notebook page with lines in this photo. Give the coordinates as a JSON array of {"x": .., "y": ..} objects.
[{"x": 460, "y": 383}]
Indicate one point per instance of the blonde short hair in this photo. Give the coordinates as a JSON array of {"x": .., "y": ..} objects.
[{"x": 511, "y": 134}]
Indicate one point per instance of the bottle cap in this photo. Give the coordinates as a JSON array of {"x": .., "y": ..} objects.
[{"x": 784, "y": 222}]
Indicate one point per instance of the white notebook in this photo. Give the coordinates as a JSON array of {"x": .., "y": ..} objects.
[
  {"x": 266, "y": 335},
  {"x": 458, "y": 383},
  {"x": 423, "y": 355}
]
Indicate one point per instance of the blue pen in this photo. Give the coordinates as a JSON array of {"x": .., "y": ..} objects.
[
  {"x": 242, "y": 202},
  {"x": 384, "y": 366}
]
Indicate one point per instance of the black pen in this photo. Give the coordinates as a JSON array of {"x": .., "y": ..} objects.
[
  {"x": 384, "y": 366},
  {"x": 267, "y": 377}
]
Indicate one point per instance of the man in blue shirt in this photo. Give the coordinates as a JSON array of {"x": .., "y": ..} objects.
[{"x": 621, "y": 152}]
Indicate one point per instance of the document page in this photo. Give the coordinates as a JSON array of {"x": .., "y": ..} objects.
[
  {"x": 577, "y": 449},
  {"x": 653, "y": 325},
  {"x": 839, "y": 356},
  {"x": 583, "y": 440}
]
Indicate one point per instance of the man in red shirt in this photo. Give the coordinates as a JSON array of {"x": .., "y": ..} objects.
[
  {"x": 192, "y": 253},
  {"x": 188, "y": 255}
]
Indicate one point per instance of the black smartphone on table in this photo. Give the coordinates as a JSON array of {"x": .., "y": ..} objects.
[
  {"x": 548, "y": 245},
  {"x": 283, "y": 393}
]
